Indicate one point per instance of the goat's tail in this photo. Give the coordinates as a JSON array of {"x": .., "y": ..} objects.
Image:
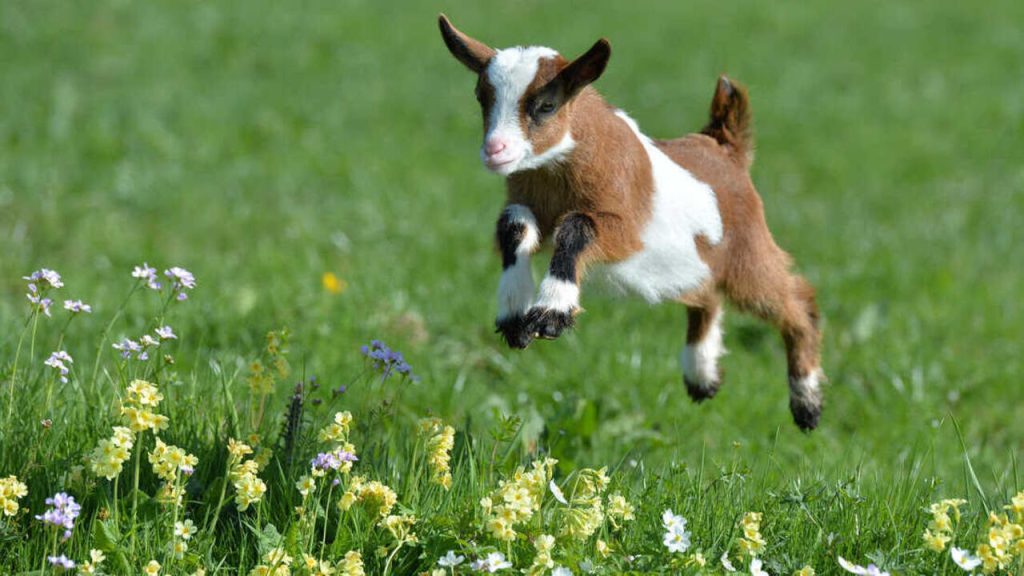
[{"x": 730, "y": 121}]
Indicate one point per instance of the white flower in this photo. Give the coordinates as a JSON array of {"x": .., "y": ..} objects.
[
  {"x": 587, "y": 566},
  {"x": 964, "y": 558},
  {"x": 670, "y": 520},
  {"x": 492, "y": 563},
  {"x": 145, "y": 272},
  {"x": 557, "y": 492},
  {"x": 677, "y": 539},
  {"x": 450, "y": 560},
  {"x": 869, "y": 570},
  {"x": 77, "y": 306},
  {"x": 725, "y": 562},
  {"x": 561, "y": 571},
  {"x": 755, "y": 568},
  {"x": 165, "y": 333}
]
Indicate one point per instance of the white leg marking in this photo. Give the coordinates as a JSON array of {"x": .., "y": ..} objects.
[
  {"x": 807, "y": 390},
  {"x": 559, "y": 295},
  {"x": 515, "y": 289},
  {"x": 700, "y": 361}
]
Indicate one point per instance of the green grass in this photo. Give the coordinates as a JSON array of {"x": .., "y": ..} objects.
[{"x": 261, "y": 144}]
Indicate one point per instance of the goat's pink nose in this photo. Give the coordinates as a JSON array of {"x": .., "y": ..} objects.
[{"x": 494, "y": 147}]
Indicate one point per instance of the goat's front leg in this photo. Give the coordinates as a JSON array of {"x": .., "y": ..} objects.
[
  {"x": 559, "y": 299},
  {"x": 518, "y": 238}
]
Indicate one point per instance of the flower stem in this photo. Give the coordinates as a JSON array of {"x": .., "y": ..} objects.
[{"x": 135, "y": 487}]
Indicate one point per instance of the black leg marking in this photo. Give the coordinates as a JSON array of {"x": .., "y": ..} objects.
[
  {"x": 510, "y": 235},
  {"x": 547, "y": 323},
  {"x": 574, "y": 234},
  {"x": 513, "y": 330},
  {"x": 699, "y": 393}
]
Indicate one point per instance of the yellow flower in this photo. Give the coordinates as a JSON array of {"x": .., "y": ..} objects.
[
  {"x": 440, "y": 439},
  {"x": 333, "y": 284},
  {"x": 185, "y": 530},
  {"x": 696, "y": 559},
  {"x": 603, "y": 550},
  {"x": 277, "y": 557},
  {"x": 305, "y": 485},
  {"x": 619, "y": 509},
  {"x": 936, "y": 541},
  {"x": 11, "y": 490},
  {"x": 805, "y": 571},
  {"x": 400, "y": 527},
  {"x": 352, "y": 565},
  {"x": 152, "y": 569},
  {"x": 752, "y": 542}
]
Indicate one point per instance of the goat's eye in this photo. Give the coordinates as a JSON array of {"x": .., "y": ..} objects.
[{"x": 545, "y": 108}]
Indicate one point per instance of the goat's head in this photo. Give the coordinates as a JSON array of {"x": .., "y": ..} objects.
[{"x": 526, "y": 97}]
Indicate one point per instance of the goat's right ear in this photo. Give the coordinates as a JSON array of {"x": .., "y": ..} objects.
[{"x": 470, "y": 51}]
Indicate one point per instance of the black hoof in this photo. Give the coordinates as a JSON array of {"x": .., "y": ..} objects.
[
  {"x": 547, "y": 323},
  {"x": 513, "y": 330},
  {"x": 699, "y": 393},
  {"x": 805, "y": 415}
]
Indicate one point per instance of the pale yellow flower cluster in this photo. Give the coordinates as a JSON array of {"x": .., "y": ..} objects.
[
  {"x": 440, "y": 439},
  {"x": 168, "y": 461},
  {"x": 542, "y": 562},
  {"x": 152, "y": 568},
  {"x": 183, "y": 532},
  {"x": 11, "y": 490},
  {"x": 108, "y": 458},
  {"x": 249, "y": 489},
  {"x": 620, "y": 510},
  {"x": 400, "y": 526},
  {"x": 96, "y": 558},
  {"x": 373, "y": 495},
  {"x": 585, "y": 512},
  {"x": 316, "y": 567},
  {"x": 752, "y": 542},
  {"x": 517, "y": 499},
  {"x": 263, "y": 373},
  {"x": 805, "y": 571},
  {"x": 139, "y": 405},
  {"x": 1005, "y": 541},
  {"x": 940, "y": 529},
  {"x": 306, "y": 485},
  {"x": 352, "y": 565},
  {"x": 276, "y": 562}
]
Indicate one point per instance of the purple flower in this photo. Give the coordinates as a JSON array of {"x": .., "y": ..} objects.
[
  {"x": 148, "y": 341},
  {"x": 145, "y": 272},
  {"x": 127, "y": 347},
  {"x": 62, "y": 562},
  {"x": 76, "y": 306},
  {"x": 57, "y": 362},
  {"x": 62, "y": 514},
  {"x": 43, "y": 304},
  {"x": 332, "y": 460},
  {"x": 165, "y": 333},
  {"x": 45, "y": 277},
  {"x": 181, "y": 280},
  {"x": 387, "y": 361}
]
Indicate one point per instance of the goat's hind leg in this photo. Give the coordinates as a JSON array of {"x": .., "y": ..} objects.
[
  {"x": 800, "y": 332},
  {"x": 704, "y": 347}
]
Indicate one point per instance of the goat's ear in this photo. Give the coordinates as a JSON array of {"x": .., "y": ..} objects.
[
  {"x": 585, "y": 69},
  {"x": 470, "y": 51}
]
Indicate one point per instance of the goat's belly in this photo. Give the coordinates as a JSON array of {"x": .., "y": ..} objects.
[{"x": 664, "y": 270}]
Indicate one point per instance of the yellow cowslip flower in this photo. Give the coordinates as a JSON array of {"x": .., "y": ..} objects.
[
  {"x": 179, "y": 548},
  {"x": 332, "y": 284},
  {"x": 542, "y": 562},
  {"x": 305, "y": 485},
  {"x": 581, "y": 521},
  {"x": 501, "y": 529},
  {"x": 619, "y": 510},
  {"x": 352, "y": 565},
  {"x": 238, "y": 449},
  {"x": 142, "y": 393},
  {"x": 168, "y": 461},
  {"x": 262, "y": 457},
  {"x": 337, "y": 431},
  {"x": 277, "y": 557},
  {"x": 696, "y": 559},
  {"x": 400, "y": 527},
  {"x": 936, "y": 541},
  {"x": 805, "y": 571},
  {"x": 377, "y": 496},
  {"x": 185, "y": 530},
  {"x": 152, "y": 569},
  {"x": 199, "y": 572},
  {"x": 11, "y": 490},
  {"x": 1017, "y": 506},
  {"x": 603, "y": 549},
  {"x": 753, "y": 542},
  {"x": 260, "y": 570},
  {"x": 440, "y": 439}
]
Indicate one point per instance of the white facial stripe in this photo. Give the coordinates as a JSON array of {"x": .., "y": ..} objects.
[
  {"x": 510, "y": 73},
  {"x": 556, "y": 153},
  {"x": 557, "y": 294},
  {"x": 700, "y": 360}
]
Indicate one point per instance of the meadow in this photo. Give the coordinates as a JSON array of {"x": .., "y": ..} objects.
[{"x": 315, "y": 166}]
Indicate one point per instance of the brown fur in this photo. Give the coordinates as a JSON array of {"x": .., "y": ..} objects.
[{"x": 608, "y": 177}]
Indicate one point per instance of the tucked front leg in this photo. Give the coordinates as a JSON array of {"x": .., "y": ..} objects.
[
  {"x": 518, "y": 238},
  {"x": 559, "y": 298}
]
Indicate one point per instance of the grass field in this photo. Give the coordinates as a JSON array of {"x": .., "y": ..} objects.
[{"x": 263, "y": 144}]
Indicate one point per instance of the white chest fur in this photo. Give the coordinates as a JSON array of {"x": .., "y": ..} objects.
[{"x": 683, "y": 208}]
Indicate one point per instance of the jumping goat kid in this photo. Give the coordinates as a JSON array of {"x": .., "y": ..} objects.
[{"x": 667, "y": 219}]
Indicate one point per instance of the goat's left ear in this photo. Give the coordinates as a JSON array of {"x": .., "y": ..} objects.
[{"x": 585, "y": 69}]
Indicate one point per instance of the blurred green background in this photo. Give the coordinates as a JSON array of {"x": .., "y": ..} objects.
[{"x": 261, "y": 144}]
